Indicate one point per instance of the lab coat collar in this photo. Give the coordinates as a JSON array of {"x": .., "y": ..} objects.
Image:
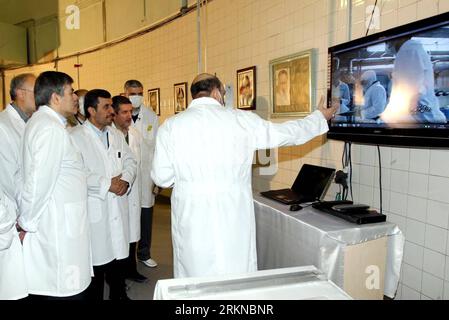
[
  {"x": 199, "y": 102},
  {"x": 19, "y": 112},
  {"x": 49, "y": 110},
  {"x": 13, "y": 113}
]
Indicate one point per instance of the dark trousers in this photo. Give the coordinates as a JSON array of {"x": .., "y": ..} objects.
[
  {"x": 113, "y": 273},
  {"x": 130, "y": 264},
  {"x": 146, "y": 225}
]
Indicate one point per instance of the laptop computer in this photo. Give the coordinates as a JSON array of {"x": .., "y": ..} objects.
[{"x": 310, "y": 185}]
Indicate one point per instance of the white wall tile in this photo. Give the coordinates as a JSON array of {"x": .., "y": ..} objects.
[
  {"x": 446, "y": 290},
  {"x": 415, "y": 231},
  {"x": 400, "y": 221},
  {"x": 438, "y": 188},
  {"x": 418, "y": 184},
  {"x": 419, "y": 160},
  {"x": 434, "y": 263},
  {"x": 427, "y": 8},
  {"x": 446, "y": 273},
  {"x": 385, "y": 200},
  {"x": 443, "y": 6},
  {"x": 438, "y": 214},
  {"x": 412, "y": 277},
  {"x": 398, "y": 203},
  {"x": 366, "y": 195},
  {"x": 416, "y": 208},
  {"x": 366, "y": 175},
  {"x": 439, "y": 160},
  {"x": 399, "y": 181},
  {"x": 367, "y": 155},
  {"x": 400, "y": 159},
  {"x": 413, "y": 254},
  {"x": 432, "y": 286},
  {"x": 409, "y": 294},
  {"x": 436, "y": 238}
]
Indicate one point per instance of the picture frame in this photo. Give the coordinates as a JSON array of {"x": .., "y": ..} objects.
[
  {"x": 154, "y": 100},
  {"x": 246, "y": 88},
  {"x": 292, "y": 81},
  {"x": 180, "y": 96}
]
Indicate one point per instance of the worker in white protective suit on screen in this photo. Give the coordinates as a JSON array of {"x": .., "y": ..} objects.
[
  {"x": 413, "y": 92},
  {"x": 375, "y": 96},
  {"x": 206, "y": 153}
]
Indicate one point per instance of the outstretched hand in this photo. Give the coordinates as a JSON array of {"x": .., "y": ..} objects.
[{"x": 328, "y": 113}]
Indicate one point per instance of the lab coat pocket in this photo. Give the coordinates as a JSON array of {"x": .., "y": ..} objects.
[
  {"x": 94, "y": 210},
  {"x": 75, "y": 218}
]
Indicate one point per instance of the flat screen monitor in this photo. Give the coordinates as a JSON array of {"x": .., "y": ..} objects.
[{"x": 392, "y": 88}]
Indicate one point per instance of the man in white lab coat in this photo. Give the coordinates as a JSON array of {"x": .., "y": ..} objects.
[
  {"x": 206, "y": 153},
  {"x": 12, "y": 274},
  {"x": 12, "y": 126},
  {"x": 53, "y": 221},
  {"x": 122, "y": 121},
  {"x": 111, "y": 169},
  {"x": 375, "y": 96},
  {"x": 146, "y": 122}
]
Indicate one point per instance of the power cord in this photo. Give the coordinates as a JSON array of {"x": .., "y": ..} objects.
[
  {"x": 371, "y": 19},
  {"x": 341, "y": 176},
  {"x": 380, "y": 178}
]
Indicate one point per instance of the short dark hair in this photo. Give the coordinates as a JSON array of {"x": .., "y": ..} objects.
[
  {"x": 91, "y": 99},
  {"x": 117, "y": 101},
  {"x": 204, "y": 87},
  {"x": 17, "y": 82},
  {"x": 133, "y": 84},
  {"x": 50, "y": 82}
]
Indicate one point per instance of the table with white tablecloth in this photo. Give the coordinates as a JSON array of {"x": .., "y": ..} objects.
[{"x": 310, "y": 237}]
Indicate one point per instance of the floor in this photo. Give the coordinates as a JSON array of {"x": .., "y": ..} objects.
[{"x": 161, "y": 251}]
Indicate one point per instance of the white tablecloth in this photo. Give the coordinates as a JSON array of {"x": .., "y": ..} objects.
[
  {"x": 309, "y": 237},
  {"x": 299, "y": 283}
]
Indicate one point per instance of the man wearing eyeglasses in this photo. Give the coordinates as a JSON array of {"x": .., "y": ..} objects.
[{"x": 12, "y": 127}]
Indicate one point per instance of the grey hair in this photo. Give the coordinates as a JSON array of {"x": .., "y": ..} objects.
[
  {"x": 133, "y": 84},
  {"x": 17, "y": 82}
]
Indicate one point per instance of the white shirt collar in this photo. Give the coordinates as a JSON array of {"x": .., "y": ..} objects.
[
  {"x": 52, "y": 111},
  {"x": 204, "y": 101}
]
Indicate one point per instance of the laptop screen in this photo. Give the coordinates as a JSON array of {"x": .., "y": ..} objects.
[{"x": 312, "y": 181}]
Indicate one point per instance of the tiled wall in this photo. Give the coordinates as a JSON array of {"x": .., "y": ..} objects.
[{"x": 242, "y": 33}]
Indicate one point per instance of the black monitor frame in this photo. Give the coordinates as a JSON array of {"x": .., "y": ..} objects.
[{"x": 428, "y": 137}]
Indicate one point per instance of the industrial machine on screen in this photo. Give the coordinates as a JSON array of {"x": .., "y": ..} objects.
[{"x": 393, "y": 87}]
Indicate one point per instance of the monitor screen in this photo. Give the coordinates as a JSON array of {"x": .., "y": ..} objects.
[
  {"x": 313, "y": 181},
  {"x": 393, "y": 85}
]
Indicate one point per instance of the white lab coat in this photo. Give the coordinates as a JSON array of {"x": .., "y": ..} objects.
[
  {"x": 108, "y": 213},
  {"x": 207, "y": 152},
  {"x": 134, "y": 196},
  {"x": 147, "y": 124},
  {"x": 12, "y": 275},
  {"x": 375, "y": 101},
  {"x": 12, "y": 128},
  {"x": 53, "y": 209}
]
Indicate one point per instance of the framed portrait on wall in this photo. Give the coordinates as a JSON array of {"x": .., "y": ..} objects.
[
  {"x": 246, "y": 88},
  {"x": 292, "y": 81},
  {"x": 180, "y": 96},
  {"x": 154, "y": 100}
]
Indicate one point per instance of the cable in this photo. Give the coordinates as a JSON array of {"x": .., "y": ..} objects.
[
  {"x": 350, "y": 169},
  {"x": 371, "y": 19},
  {"x": 380, "y": 178}
]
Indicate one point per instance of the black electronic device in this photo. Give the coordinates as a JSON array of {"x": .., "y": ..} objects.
[
  {"x": 310, "y": 185},
  {"x": 360, "y": 216},
  {"x": 350, "y": 208},
  {"x": 295, "y": 207},
  {"x": 411, "y": 66}
]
